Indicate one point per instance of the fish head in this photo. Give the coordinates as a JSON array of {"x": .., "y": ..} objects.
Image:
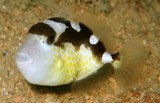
[{"x": 34, "y": 59}]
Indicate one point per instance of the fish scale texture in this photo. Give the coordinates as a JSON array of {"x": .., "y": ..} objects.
[{"x": 74, "y": 64}]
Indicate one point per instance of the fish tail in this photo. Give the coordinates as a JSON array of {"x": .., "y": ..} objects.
[{"x": 128, "y": 63}]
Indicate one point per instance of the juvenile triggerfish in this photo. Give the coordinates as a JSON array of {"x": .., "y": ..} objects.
[{"x": 58, "y": 52}]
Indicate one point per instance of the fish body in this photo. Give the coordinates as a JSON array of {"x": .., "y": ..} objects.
[{"x": 58, "y": 51}]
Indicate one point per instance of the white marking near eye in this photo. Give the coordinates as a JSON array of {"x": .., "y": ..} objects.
[
  {"x": 93, "y": 40},
  {"x": 106, "y": 58},
  {"x": 75, "y": 26},
  {"x": 58, "y": 27}
]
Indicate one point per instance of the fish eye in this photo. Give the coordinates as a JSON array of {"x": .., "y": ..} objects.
[{"x": 50, "y": 39}]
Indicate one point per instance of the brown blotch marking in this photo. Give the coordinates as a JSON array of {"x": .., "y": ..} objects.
[
  {"x": 116, "y": 56},
  {"x": 78, "y": 38},
  {"x": 43, "y": 29},
  {"x": 98, "y": 49}
]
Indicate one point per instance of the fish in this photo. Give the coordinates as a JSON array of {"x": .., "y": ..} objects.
[{"x": 58, "y": 51}]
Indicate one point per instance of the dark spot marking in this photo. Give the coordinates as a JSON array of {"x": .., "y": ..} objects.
[
  {"x": 98, "y": 49},
  {"x": 50, "y": 39},
  {"x": 43, "y": 29},
  {"x": 116, "y": 56}
]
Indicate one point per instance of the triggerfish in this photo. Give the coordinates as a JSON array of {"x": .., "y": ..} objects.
[{"x": 58, "y": 52}]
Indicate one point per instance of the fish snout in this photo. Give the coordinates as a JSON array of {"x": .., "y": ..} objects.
[{"x": 23, "y": 58}]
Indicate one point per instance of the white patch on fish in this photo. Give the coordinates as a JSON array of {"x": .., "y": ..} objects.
[
  {"x": 93, "y": 40},
  {"x": 75, "y": 26},
  {"x": 58, "y": 27},
  {"x": 106, "y": 58}
]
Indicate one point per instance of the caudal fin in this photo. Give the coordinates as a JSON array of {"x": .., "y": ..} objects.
[{"x": 129, "y": 66}]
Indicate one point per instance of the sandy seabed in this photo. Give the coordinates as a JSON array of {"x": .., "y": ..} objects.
[{"x": 125, "y": 18}]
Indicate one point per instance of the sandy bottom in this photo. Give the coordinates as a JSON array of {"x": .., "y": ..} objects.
[{"x": 124, "y": 19}]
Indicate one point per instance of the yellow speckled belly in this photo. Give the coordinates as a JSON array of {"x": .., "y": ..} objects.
[{"x": 73, "y": 65}]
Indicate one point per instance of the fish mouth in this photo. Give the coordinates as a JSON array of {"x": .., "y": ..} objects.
[{"x": 22, "y": 58}]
